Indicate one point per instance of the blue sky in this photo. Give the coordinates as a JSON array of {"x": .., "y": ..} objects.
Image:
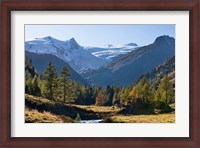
[{"x": 99, "y": 35}]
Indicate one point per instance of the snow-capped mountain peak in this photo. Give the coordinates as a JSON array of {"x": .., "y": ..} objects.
[
  {"x": 131, "y": 44},
  {"x": 80, "y": 58},
  {"x": 48, "y": 38},
  {"x": 72, "y": 42},
  {"x": 69, "y": 51}
]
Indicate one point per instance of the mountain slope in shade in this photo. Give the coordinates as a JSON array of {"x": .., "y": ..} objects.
[
  {"x": 69, "y": 51},
  {"x": 40, "y": 62},
  {"x": 156, "y": 75},
  {"x": 127, "y": 68}
]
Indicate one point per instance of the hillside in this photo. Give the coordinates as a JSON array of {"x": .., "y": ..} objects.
[
  {"x": 155, "y": 75},
  {"x": 40, "y": 62},
  {"x": 34, "y": 116},
  {"x": 128, "y": 68},
  {"x": 58, "y": 109}
]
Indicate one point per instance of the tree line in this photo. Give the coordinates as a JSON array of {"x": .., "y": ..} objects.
[{"x": 60, "y": 87}]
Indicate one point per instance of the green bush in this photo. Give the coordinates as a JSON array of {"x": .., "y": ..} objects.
[{"x": 78, "y": 118}]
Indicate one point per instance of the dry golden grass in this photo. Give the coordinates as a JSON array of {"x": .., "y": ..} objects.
[
  {"x": 158, "y": 118},
  {"x": 100, "y": 109},
  {"x": 33, "y": 116},
  {"x": 108, "y": 111},
  {"x": 38, "y": 99}
]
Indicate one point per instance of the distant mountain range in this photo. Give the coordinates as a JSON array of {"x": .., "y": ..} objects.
[
  {"x": 80, "y": 58},
  {"x": 40, "y": 62},
  {"x": 106, "y": 65},
  {"x": 127, "y": 68},
  {"x": 69, "y": 51}
]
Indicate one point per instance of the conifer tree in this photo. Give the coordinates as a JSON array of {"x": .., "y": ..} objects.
[
  {"x": 28, "y": 84},
  {"x": 134, "y": 93},
  {"x": 109, "y": 93},
  {"x": 124, "y": 95},
  {"x": 147, "y": 92},
  {"x": 64, "y": 82},
  {"x": 140, "y": 88},
  {"x": 115, "y": 99},
  {"x": 78, "y": 95},
  {"x": 35, "y": 86},
  {"x": 143, "y": 91},
  {"x": 165, "y": 91},
  {"x": 50, "y": 81}
]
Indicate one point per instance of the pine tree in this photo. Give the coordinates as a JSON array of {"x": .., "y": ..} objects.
[
  {"x": 115, "y": 99},
  {"x": 28, "y": 84},
  {"x": 109, "y": 93},
  {"x": 78, "y": 93},
  {"x": 147, "y": 92},
  {"x": 35, "y": 86},
  {"x": 165, "y": 91},
  {"x": 124, "y": 95},
  {"x": 64, "y": 82},
  {"x": 90, "y": 98},
  {"x": 142, "y": 90},
  {"x": 134, "y": 93},
  {"x": 50, "y": 81}
]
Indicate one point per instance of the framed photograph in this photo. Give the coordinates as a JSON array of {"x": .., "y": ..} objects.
[{"x": 83, "y": 73}]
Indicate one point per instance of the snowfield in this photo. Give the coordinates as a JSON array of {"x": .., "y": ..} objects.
[{"x": 109, "y": 52}]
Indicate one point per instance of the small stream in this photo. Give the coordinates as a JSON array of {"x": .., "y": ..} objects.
[{"x": 91, "y": 121}]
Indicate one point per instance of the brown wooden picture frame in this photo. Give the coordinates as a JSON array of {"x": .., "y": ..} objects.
[{"x": 193, "y": 141}]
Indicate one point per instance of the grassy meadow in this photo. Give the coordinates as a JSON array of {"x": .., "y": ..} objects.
[{"x": 42, "y": 110}]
